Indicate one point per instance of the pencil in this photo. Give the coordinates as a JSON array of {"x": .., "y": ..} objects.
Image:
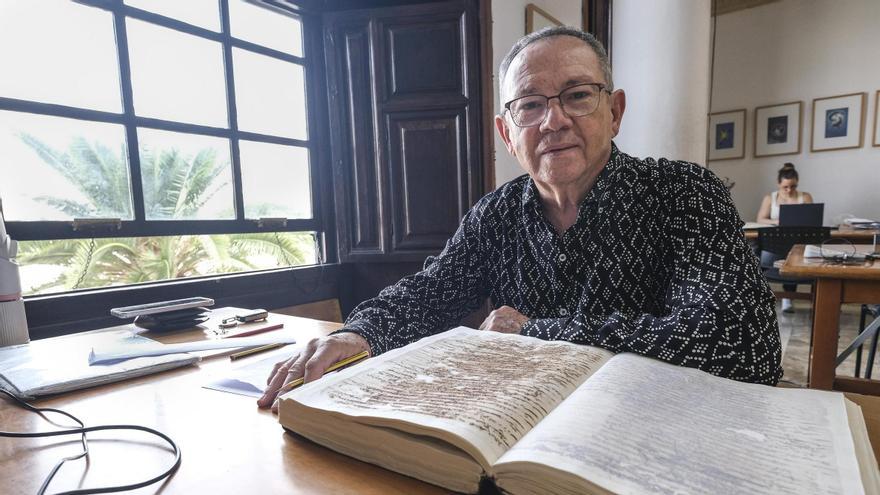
[
  {"x": 254, "y": 350},
  {"x": 333, "y": 367},
  {"x": 253, "y": 331}
]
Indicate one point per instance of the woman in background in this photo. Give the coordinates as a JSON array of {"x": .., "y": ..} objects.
[{"x": 786, "y": 194}]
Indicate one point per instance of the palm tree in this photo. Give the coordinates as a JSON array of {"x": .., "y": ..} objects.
[{"x": 175, "y": 187}]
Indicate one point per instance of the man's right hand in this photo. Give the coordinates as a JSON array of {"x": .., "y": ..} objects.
[{"x": 311, "y": 362}]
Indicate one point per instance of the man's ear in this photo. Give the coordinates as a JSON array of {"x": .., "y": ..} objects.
[
  {"x": 618, "y": 105},
  {"x": 504, "y": 132}
]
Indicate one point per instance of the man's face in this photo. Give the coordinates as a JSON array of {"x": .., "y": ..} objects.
[{"x": 562, "y": 150}]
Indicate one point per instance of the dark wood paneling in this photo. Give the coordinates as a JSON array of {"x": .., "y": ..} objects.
[
  {"x": 364, "y": 187},
  {"x": 597, "y": 20},
  {"x": 425, "y": 57},
  {"x": 412, "y": 131},
  {"x": 357, "y": 176},
  {"x": 426, "y": 170}
]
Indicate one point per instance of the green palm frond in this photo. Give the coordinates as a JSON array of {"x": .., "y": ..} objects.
[{"x": 175, "y": 186}]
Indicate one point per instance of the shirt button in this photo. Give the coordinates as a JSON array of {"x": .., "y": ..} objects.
[
  {"x": 563, "y": 312},
  {"x": 562, "y": 257}
]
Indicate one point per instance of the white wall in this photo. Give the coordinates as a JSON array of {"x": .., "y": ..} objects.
[
  {"x": 508, "y": 26},
  {"x": 660, "y": 57},
  {"x": 801, "y": 50}
]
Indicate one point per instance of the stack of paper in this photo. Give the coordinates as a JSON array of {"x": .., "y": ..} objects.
[{"x": 52, "y": 366}]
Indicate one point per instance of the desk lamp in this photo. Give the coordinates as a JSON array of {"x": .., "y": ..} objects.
[{"x": 13, "y": 323}]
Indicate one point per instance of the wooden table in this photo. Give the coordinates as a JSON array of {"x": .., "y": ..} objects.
[
  {"x": 227, "y": 444},
  {"x": 835, "y": 284},
  {"x": 856, "y": 236}
]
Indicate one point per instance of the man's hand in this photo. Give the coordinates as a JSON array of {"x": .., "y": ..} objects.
[
  {"x": 311, "y": 362},
  {"x": 505, "y": 320}
]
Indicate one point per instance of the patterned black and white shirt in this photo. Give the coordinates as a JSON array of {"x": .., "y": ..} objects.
[{"x": 656, "y": 264}]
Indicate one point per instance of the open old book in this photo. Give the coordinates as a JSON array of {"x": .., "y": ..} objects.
[{"x": 531, "y": 416}]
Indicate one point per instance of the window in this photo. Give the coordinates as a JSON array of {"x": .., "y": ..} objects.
[{"x": 149, "y": 140}]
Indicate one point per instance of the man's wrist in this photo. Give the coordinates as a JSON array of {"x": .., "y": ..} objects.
[{"x": 354, "y": 339}]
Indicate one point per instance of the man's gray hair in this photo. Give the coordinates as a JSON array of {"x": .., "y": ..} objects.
[{"x": 547, "y": 32}]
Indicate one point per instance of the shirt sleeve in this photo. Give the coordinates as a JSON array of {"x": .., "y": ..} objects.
[
  {"x": 719, "y": 311},
  {"x": 451, "y": 286}
]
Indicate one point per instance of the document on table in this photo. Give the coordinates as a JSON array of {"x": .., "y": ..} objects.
[
  {"x": 51, "y": 366},
  {"x": 250, "y": 378},
  {"x": 116, "y": 351}
]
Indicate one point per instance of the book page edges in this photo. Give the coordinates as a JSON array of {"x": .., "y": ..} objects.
[
  {"x": 413, "y": 450},
  {"x": 864, "y": 453}
]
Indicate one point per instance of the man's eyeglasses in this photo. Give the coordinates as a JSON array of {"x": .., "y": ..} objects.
[{"x": 576, "y": 101}]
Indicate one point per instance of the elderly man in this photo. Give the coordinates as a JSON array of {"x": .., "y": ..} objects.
[{"x": 592, "y": 246}]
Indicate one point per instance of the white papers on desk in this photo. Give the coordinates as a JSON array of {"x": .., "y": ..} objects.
[
  {"x": 857, "y": 221},
  {"x": 115, "y": 351},
  {"x": 249, "y": 379},
  {"x": 756, "y": 225},
  {"x": 51, "y": 366}
]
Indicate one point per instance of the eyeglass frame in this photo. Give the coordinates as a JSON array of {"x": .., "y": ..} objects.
[{"x": 601, "y": 86}]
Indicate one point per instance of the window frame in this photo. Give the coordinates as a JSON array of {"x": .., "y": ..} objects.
[
  {"x": 68, "y": 312},
  {"x": 139, "y": 226}
]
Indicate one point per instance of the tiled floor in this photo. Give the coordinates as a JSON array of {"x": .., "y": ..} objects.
[{"x": 794, "y": 331}]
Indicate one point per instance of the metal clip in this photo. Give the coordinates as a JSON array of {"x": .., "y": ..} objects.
[
  {"x": 94, "y": 224},
  {"x": 276, "y": 222}
]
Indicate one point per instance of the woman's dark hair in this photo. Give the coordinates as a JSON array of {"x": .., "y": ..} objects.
[{"x": 787, "y": 172}]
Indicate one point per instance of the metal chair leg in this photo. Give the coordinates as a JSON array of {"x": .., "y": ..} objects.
[
  {"x": 876, "y": 313},
  {"x": 862, "y": 315}
]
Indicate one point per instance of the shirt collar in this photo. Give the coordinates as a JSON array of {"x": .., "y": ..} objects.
[{"x": 531, "y": 199}]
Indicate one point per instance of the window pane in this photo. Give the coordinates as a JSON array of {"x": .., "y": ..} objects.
[
  {"x": 275, "y": 180},
  {"x": 176, "y": 76},
  {"x": 59, "y": 169},
  {"x": 269, "y": 95},
  {"x": 56, "y": 51},
  {"x": 202, "y": 13},
  {"x": 60, "y": 265},
  {"x": 264, "y": 26},
  {"x": 185, "y": 176}
]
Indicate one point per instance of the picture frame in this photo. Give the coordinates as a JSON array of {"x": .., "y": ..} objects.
[
  {"x": 777, "y": 129},
  {"x": 727, "y": 135},
  {"x": 838, "y": 122},
  {"x": 877, "y": 118},
  {"x": 538, "y": 18}
]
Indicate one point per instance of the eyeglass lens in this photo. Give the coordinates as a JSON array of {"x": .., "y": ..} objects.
[{"x": 577, "y": 101}]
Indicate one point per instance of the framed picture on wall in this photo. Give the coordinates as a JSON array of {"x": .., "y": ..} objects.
[
  {"x": 838, "y": 122},
  {"x": 877, "y": 119},
  {"x": 727, "y": 135},
  {"x": 538, "y": 18},
  {"x": 778, "y": 129}
]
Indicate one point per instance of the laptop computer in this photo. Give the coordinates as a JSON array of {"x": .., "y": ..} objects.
[{"x": 805, "y": 215}]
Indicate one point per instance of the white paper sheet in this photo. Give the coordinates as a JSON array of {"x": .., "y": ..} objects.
[{"x": 116, "y": 351}]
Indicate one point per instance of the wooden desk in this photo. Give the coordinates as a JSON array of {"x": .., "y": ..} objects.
[
  {"x": 227, "y": 444},
  {"x": 856, "y": 236},
  {"x": 835, "y": 284}
]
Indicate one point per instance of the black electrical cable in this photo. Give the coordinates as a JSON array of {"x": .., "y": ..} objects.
[{"x": 82, "y": 430}]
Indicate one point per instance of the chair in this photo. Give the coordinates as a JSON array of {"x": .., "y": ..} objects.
[
  {"x": 874, "y": 312},
  {"x": 775, "y": 243}
]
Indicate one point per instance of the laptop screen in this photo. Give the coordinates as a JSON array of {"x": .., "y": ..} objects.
[{"x": 805, "y": 215}]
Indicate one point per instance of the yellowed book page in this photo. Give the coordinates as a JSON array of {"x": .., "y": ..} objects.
[
  {"x": 487, "y": 388},
  {"x": 643, "y": 426}
]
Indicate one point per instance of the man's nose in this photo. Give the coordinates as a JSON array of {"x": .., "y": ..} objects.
[{"x": 556, "y": 117}]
